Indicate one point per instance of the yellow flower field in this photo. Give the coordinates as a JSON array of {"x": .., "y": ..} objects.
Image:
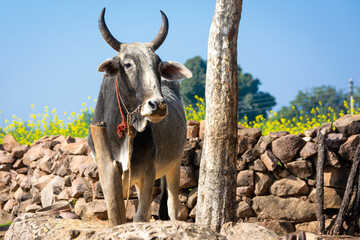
[{"x": 77, "y": 124}]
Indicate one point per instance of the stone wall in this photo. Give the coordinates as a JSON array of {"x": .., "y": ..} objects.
[{"x": 275, "y": 179}]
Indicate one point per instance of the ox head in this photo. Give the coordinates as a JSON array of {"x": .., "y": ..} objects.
[{"x": 140, "y": 70}]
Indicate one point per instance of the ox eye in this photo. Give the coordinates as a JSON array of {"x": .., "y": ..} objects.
[{"x": 127, "y": 65}]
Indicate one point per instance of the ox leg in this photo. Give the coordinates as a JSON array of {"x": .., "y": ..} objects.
[
  {"x": 144, "y": 189},
  {"x": 125, "y": 183},
  {"x": 173, "y": 182}
]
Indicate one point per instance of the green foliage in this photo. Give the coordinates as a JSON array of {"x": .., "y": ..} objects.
[
  {"x": 7, "y": 224},
  {"x": 326, "y": 98},
  {"x": 252, "y": 101},
  {"x": 194, "y": 86}
]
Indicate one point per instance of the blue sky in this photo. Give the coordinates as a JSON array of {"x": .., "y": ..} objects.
[{"x": 50, "y": 50}]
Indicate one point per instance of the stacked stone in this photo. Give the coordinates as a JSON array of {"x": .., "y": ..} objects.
[{"x": 275, "y": 175}]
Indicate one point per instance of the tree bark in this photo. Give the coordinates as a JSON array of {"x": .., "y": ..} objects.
[
  {"x": 217, "y": 181},
  {"x": 320, "y": 182},
  {"x": 110, "y": 175},
  {"x": 336, "y": 225}
]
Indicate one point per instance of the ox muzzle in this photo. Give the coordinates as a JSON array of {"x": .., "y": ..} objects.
[{"x": 155, "y": 109}]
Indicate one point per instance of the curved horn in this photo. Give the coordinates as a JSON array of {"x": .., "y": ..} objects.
[
  {"x": 109, "y": 38},
  {"x": 160, "y": 38}
]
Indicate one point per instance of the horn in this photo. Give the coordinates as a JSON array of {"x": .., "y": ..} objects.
[
  {"x": 109, "y": 38},
  {"x": 160, "y": 38}
]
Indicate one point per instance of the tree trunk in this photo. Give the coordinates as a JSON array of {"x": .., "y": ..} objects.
[
  {"x": 217, "y": 181},
  {"x": 320, "y": 182}
]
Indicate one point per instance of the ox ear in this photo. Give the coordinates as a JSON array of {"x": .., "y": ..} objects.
[
  {"x": 174, "y": 71},
  {"x": 111, "y": 67}
]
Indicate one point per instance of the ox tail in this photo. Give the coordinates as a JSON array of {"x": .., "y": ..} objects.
[{"x": 163, "y": 210}]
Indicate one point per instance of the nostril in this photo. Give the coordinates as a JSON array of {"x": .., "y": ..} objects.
[
  {"x": 153, "y": 104},
  {"x": 162, "y": 104}
]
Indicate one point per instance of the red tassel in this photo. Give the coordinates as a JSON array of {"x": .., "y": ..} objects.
[{"x": 121, "y": 129}]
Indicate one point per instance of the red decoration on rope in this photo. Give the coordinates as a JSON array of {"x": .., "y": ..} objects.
[{"x": 121, "y": 128}]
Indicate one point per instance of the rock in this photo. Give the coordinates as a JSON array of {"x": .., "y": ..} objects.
[
  {"x": 240, "y": 164},
  {"x": 36, "y": 195},
  {"x": 34, "y": 153},
  {"x": 79, "y": 186},
  {"x": 14, "y": 186},
  {"x": 262, "y": 183},
  {"x": 278, "y": 134},
  {"x": 331, "y": 159},
  {"x": 197, "y": 157},
  {"x": 289, "y": 186},
  {"x": 309, "y": 150},
  {"x": 90, "y": 171},
  {"x": 41, "y": 182},
  {"x": 245, "y": 178},
  {"x": 245, "y": 143},
  {"x": 284, "y": 173},
  {"x": 246, "y": 231},
  {"x": 20, "y": 195},
  {"x": 9, "y": 143},
  {"x": 131, "y": 209},
  {"x": 23, "y": 205},
  {"x": 192, "y": 198},
  {"x": 188, "y": 156},
  {"x": 347, "y": 149},
  {"x": 58, "y": 184},
  {"x": 244, "y": 210},
  {"x": 288, "y": 209},
  {"x": 311, "y": 132},
  {"x": 250, "y": 155},
  {"x": 5, "y": 177},
  {"x": 91, "y": 210},
  {"x": 97, "y": 191},
  {"x": 76, "y": 148},
  {"x": 25, "y": 183},
  {"x": 31, "y": 226},
  {"x": 32, "y": 208},
  {"x": 300, "y": 168},
  {"x": 202, "y": 129},
  {"x": 270, "y": 160},
  {"x": 263, "y": 144},
  {"x": 47, "y": 195},
  {"x": 6, "y": 158},
  {"x": 250, "y": 132},
  {"x": 77, "y": 162},
  {"x": 9, "y": 205},
  {"x": 334, "y": 140},
  {"x": 183, "y": 212},
  {"x": 312, "y": 226},
  {"x": 98, "y": 209},
  {"x": 347, "y": 125},
  {"x": 245, "y": 192},
  {"x": 18, "y": 152},
  {"x": 64, "y": 194},
  {"x": 335, "y": 177},
  {"x": 187, "y": 177},
  {"x": 45, "y": 164},
  {"x": 281, "y": 227},
  {"x": 286, "y": 148},
  {"x": 257, "y": 165},
  {"x": 192, "y": 131},
  {"x": 5, "y": 217},
  {"x": 192, "y": 213},
  {"x": 332, "y": 197}
]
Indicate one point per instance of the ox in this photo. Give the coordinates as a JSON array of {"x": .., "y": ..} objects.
[{"x": 133, "y": 84}]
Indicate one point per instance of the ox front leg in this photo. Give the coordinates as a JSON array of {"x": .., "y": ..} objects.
[
  {"x": 144, "y": 189},
  {"x": 173, "y": 182}
]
